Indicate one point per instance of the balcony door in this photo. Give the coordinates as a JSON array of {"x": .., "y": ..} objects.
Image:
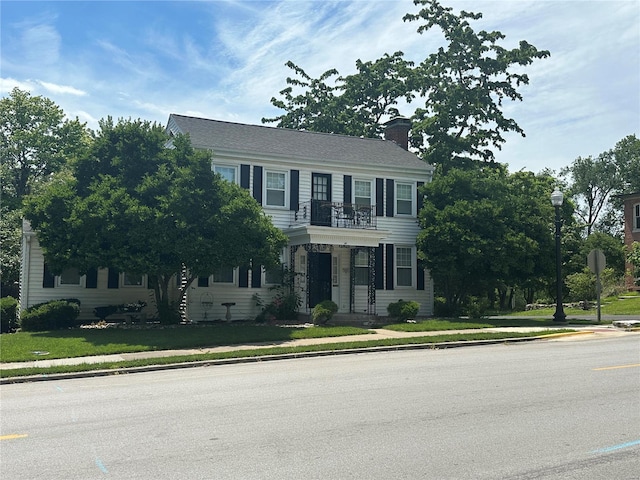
[{"x": 321, "y": 199}]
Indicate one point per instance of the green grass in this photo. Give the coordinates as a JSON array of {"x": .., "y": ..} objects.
[
  {"x": 428, "y": 340},
  {"x": 436, "y": 325},
  {"x": 19, "y": 347},
  {"x": 608, "y": 306}
]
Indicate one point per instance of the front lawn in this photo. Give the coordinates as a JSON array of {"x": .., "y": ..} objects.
[
  {"x": 622, "y": 305},
  {"x": 80, "y": 342}
]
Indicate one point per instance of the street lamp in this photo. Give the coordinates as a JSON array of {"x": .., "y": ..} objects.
[{"x": 556, "y": 201}]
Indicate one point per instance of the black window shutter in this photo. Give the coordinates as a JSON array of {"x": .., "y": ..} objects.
[
  {"x": 151, "y": 282},
  {"x": 243, "y": 277},
  {"x": 347, "y": 189},
  {"x": 256, "y": 277},
  {"x": 379, "y": 266},
  {"x": 244, "y": 176},
  {"x": 91, "y": 279},
  {"x": 113, "y": 278},
  {"x": 48, "y": 278},
  {"x": 257, "y": 184},
  {"x": 420, "y": 277},
  {"x": 203, "y": 281},
  {"x": 379, "y": 197},
  {"x": 420, "y": 202},
  {"x": 294, "y": 195},
  {"x": 390, "y": 197},
  {"x": 390, "y": 271}
]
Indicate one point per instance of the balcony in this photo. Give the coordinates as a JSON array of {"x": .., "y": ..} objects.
[{"x": 332, "y": 214}]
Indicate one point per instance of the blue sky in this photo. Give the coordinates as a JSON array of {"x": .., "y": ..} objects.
[{"x": 225, "y": 60}]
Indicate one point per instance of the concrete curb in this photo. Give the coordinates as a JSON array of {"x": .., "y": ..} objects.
[{"x": 284, "y": 356}]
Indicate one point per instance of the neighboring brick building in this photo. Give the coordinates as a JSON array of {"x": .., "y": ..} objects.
[{"x": 631, "y": 232}]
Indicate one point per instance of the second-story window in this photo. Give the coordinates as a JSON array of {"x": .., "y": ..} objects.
[
  {"x": 275, "y": 185},
  {"x": 404, "y": 198},
  {"x": 227, "y": 172},
  {"x": 636, "y": 216},
  {"x": 362, "y": 192}
]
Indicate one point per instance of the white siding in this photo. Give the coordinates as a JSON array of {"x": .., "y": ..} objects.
[{"x": 89, "y": 297}]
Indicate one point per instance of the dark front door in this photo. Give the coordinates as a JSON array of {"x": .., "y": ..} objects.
[
  {"x": 321, "y": 199},
  {"x": 319, "y": 278}
]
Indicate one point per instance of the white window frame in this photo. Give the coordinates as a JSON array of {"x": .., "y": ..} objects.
[
  {"x": 81, "y": 279},
  {"x": 232, "y": 282},
  {"x": 361, "y": 262},
  {"x": 285, "y": 189},
  {"x": 371, "y": 191},
  {"x": 335, "y": 271},
  {"x": 124, "y": 284},
  {"x": 635, "y": 216},
  {"x": 217, "y": 166},
  {"x": 412, "y": 199},
  {"x": 411, "y": 266}
]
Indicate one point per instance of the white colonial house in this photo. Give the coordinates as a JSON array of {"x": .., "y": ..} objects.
[{"x": 348, "y": 206}]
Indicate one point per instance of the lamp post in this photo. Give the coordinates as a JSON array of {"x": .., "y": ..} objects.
[{"x": 556, "y": 201}]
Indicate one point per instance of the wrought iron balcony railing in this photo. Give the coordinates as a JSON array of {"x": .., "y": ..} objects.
[{"x": 333, "y": 214}]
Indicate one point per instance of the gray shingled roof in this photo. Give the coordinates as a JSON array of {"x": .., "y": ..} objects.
[{"x": 293, "y": 144}]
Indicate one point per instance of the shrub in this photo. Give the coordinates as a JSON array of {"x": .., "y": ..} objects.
[
  {"x": 477, "y": 307},
  {"x": 443, "y": 309},
  {"x": 286, "y": 300},
  {"x": 323, "y": 312},
  {"x": 8, "y": 314},
  {"x": 53, "y": 315},
  {"x": 403, "y": 310}
]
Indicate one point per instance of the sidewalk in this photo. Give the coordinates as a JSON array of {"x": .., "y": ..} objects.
[{"x": 378, "y": 334}]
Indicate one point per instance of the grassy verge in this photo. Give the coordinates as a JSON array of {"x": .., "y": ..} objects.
[
  {"x": 273, "y": 351},
  {"x": 437, "y": 325},
  {"x": 624, "y": 305},
  {"x": 20, "y": 347}
]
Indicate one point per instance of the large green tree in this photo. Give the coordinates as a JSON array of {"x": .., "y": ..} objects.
[
  {"x": 135, "y": 205},
  {"x": 596, "y": 182},
  {"x": 483, "y": 230},
  {"x": 352, "y": 105},
  {"x": 35, "y": 141},
  {"x": 462, "y": 86}
]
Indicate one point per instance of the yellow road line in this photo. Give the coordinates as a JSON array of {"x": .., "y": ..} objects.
[
  {"x": 13, "y": 436},
  {"x": 618, "y": 366}
]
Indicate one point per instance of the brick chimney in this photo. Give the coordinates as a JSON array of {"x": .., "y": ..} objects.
[{"x": 397, "y": 130}]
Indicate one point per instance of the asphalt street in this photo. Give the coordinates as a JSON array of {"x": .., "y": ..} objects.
[{"x": 552, "y": 410}]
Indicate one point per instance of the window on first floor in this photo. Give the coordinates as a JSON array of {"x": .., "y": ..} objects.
[
  {"x": 69, "y": 276},
  {"x": 636, "y": 216},
  {"x": 132, "y": 280},
  {"x": 362, "y": 268},
  {"x": 404, "y": 267},
  {"x": 273, "y": 276},
  {"x": 404, "y": 198},
  {"x": 223, "y": 275}
]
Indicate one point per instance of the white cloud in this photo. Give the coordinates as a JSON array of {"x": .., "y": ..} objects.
[
  {"x": 62, "y": 89},
  {"x": 8, "y": 84},
  {"x": 40, "y": 44}
]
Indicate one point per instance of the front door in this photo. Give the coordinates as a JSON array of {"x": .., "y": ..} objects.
[
  {"x": 321, "y": 199},
  {"x": 319, "y": 278}
]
